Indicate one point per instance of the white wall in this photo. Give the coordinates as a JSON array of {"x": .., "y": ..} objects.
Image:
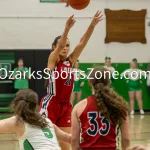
[{"x": 27, "y": 24}]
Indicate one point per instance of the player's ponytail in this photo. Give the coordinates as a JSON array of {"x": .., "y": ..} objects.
[
  {"x": 111, "y": 105},
  {"x": 55, "y": 42},
  {"x": 99, "y": 92},
  {"x": 25, "y": 105}
]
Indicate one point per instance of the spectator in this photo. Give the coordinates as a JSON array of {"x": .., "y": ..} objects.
[
  {"x": 21, "y": 76},
  {"x": 133, "y": 79},
  {"x": 111, "y": 69},
  {"x": 78, "y": 82}
]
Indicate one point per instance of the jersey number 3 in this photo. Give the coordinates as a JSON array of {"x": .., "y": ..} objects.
[
  {"x": 93, "y": 122},
  {"x": 48, "y": 133}
]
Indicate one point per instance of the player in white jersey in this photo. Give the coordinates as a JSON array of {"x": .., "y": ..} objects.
[{"x": 33, "y": 131}]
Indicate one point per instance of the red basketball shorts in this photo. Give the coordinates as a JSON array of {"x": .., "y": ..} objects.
[{"x": 58, "y": 112}]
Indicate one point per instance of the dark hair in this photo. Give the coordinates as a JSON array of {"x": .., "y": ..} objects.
[
  {"x": 20, "y": 59},
  {"x": 135, "y": 60},
  {"x": 53, "y": 44},
  {"x": 107, "y": 58},
  {"x": 55, "y": 41},
  {"x": 111, "y": 105},
  {"x": 25, "y": 105}
]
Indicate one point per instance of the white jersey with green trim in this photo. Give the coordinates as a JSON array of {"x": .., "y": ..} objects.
[{"x": 39, "y": 139}]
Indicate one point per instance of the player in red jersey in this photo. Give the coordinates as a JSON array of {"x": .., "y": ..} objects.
[
  {"x": 56, "y": 105},
  {"x": 96, "y": 120}
]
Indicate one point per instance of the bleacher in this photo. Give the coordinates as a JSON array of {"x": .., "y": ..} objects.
[{"x": 7, "y": 60}]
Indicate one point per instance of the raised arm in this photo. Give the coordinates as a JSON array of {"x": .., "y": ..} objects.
[
  {"x": 85, "y": 38},
  {"x": 53, "y": 58}
]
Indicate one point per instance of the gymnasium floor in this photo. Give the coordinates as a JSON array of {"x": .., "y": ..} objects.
[{"x": 139, "y": 127}]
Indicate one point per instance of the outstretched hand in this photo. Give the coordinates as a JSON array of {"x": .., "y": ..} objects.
[
  {"x": 97, "y": 18},
  {"x": 70, "y": 22}
]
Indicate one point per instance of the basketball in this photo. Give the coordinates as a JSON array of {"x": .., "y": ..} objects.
[{"x": 78, "y": 4}]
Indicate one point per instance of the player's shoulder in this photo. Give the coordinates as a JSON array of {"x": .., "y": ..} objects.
[
  {"x": 12, "y": 122},
  {"x": 52, "y": 55},
  {"x": 82, "y": 102},
  {"x": 13, "y": 118},
  {"x": 49, "y": 122},
  {"x": 80, "y": 105}
]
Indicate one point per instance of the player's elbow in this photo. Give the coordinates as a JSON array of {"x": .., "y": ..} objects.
[{"x": 125, "y": 142}]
